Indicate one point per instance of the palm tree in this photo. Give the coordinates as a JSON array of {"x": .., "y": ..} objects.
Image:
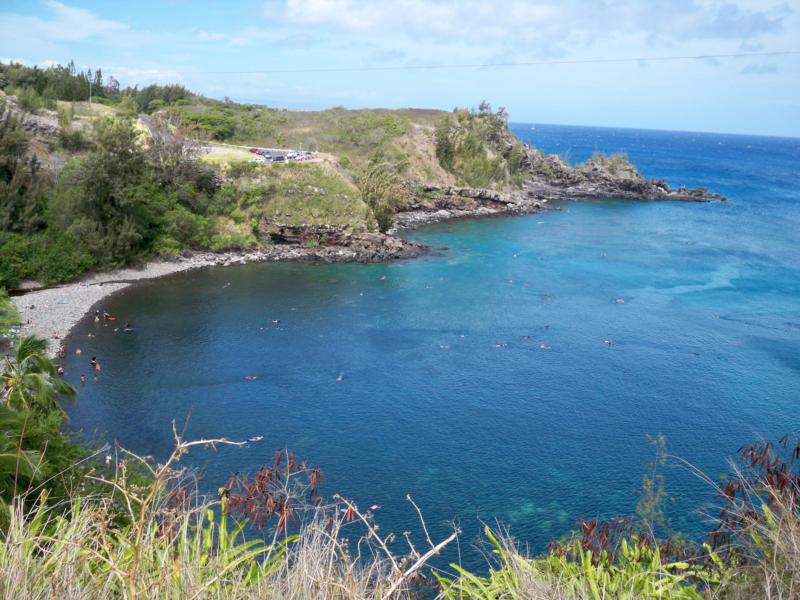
[
  {"x": 30, "y": 380},
  {"x": 18, "y": 468}
]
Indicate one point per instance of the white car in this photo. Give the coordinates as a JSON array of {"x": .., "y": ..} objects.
[{"x": 258, "y": 159}]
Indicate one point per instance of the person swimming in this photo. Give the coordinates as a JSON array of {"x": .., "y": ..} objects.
[
  {"x": 93, "y": 362},
  {"x": 127, "y": 328},
  {"x": 83, "y": 379}
]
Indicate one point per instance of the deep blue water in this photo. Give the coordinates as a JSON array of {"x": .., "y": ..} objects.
[{"x": 478, "y": 378}]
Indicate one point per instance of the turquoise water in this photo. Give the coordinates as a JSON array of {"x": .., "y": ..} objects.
[{"x": 479, "y": 378}]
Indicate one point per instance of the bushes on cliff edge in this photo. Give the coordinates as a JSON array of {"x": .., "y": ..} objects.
[{"x": 478, "y": 149}]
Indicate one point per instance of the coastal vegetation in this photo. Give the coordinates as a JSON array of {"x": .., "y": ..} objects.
[
  {"x": 9, "y": 319},
  {"x": 478, "y": 149}
]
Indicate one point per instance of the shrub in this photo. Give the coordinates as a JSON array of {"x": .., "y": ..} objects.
[
  {"x": 185, "y": 228},
  {"x": 46, "y": 257},
  {"x": 637, "y": 572},
  {"x": 219, "y": 127},
  {"x": 29, "y": 100},
  {"x": 229, "y": 235},
  {"x": 380, "y": 190},
  {"x": 478, "y": 149},
  {"x": 73, "y": 140},
  {"x": 164, "y": 245}
]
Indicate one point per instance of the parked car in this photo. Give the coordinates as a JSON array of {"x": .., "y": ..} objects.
[
  {"x": 255, "y": 150},
  {"x": 258, "y": 159},
  {"x": 278, "y": 158}
]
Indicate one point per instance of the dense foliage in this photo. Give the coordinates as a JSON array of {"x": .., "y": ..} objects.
[
  {"x": 37, "y": 88},
  {"x": 21, "y": 184},
  {"x": 35, "y": 453},
  {"x": 118, "y": 201}
]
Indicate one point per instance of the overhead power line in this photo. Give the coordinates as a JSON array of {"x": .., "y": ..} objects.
[{"x": 585, "y": 61}]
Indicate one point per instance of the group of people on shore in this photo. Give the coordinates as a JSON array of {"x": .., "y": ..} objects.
[{"x": 99, "y": 316}]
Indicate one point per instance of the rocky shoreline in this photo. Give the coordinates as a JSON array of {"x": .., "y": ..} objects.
[{"x": 51, "y": 313}]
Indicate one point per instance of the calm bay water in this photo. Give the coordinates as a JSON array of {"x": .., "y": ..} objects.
[{"x": 479, "y": 378}]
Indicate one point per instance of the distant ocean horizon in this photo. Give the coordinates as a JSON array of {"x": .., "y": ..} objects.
[
  {"x": 516, "y": 125},
  {"x": 497, "y": 378}
]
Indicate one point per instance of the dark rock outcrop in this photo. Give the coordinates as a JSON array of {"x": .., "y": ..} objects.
[
  {"x": 602, "y": 177},
  {"x": 548, "y": 178},
  {"x": 41, "y": 125},
  {"x": 337, "y": 243}
]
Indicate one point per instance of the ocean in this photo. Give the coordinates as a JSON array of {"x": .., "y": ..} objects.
[{"x": 512, "y": 375}]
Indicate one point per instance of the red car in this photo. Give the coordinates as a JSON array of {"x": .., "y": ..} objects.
[{"x": 255, "y": 150}]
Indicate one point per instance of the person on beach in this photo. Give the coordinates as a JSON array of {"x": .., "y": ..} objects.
[
  {"x": 97, "y": 315},
  {"x": 60, "y": 370}
]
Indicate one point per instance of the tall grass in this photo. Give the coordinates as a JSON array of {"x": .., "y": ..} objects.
[{"x": 155, "y": 539}]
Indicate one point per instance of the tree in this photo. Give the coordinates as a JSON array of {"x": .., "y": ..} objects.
[
  {"x": 30, "y": 380},
  {"x": 380, "y": 190},
  {"x": 127, "y": 106},
  {"x": 97, "y": 83},
  {"x": 112, "y": 86},
  {"x": 21, "y": 189},
  {"x": 109, "y": 200},
  {"x": 18, "y": 467}
]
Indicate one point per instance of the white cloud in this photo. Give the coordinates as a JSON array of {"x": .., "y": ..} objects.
[
  {"x": 68, "y": 24},
  {"x": 546, "y": 27}
]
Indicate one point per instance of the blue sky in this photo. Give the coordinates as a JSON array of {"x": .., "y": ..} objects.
[{"x": 198, "y": 44}]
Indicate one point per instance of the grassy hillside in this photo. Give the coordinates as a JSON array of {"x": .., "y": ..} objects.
[{"x": 402, "y": 138}]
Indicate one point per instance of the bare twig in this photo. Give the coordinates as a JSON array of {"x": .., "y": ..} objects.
[
  {"x": 420, "y": 563},
  {"x": 421, "y": 520}
]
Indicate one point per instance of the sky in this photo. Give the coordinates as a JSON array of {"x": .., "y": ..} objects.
[{"x": 234, "y": 49}]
